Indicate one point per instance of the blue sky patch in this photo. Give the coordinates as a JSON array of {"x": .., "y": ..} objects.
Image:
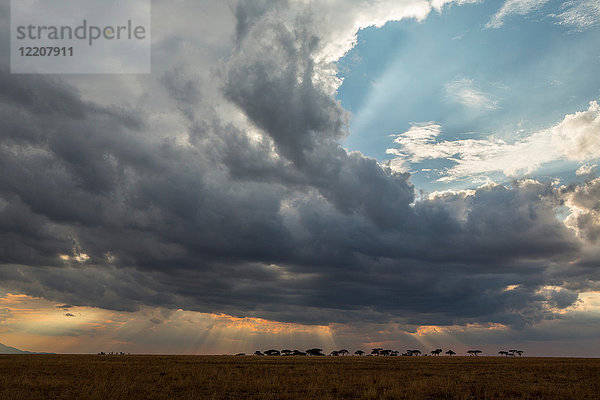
[{"x": 476, "y": 81}]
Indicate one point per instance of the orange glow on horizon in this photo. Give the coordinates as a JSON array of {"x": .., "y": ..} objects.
[{"x": 36, "y": 324}]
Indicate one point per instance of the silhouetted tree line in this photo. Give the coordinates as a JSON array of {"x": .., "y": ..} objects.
[
  {"x": 511, "y": 353},
  {"x": 378, "y": 351}
]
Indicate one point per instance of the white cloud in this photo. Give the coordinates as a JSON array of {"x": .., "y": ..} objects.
[
  {"x": 398, "y": 164},
  {"x": 576, "y": 14},
  {"x": 338, "y": 21},
  {"x": 578, "y": 135},
  {"x": 510, "y": 7},
  {"x": 586, "y": 169},
  {"x": 438, "y": 5},
  {"x": 580, "y": 14},
  {"x": 415, "y": 140},
  {"x": 466, "y": 93},
  {"x": 584, "y": 204},
  {"x": 575, "y": 138}
]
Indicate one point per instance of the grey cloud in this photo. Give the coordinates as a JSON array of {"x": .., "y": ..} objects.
[
  {"x": 272, "y": 80},
  {"x": 248, "y": 12},
  {"x": 562, "y": 298}
]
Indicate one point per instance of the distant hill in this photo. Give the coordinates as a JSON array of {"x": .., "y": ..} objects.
[{"x": 12, "y": 350}]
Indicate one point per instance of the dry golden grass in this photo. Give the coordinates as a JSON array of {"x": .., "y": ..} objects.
[{"x": 251, "y": 377}]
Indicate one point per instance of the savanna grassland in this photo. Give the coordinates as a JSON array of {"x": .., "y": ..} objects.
[{"x": 262, "y": 377}]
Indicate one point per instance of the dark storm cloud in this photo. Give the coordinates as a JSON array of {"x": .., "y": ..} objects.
[
  {"x": 308, "y": 233},
  {"x": 272, "y": 81}
]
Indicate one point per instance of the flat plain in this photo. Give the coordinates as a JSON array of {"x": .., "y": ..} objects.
[{"x": 288, "y": 377}]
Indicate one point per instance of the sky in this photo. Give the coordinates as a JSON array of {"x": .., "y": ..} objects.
[{"x": 297, "y": 174}]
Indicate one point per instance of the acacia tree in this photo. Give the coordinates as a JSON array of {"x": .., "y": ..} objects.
[
  {"x": 315, "y": 352},
  {"x": 376, "y": 351},
  {"x": 359, "y": 352},
  {"x": 474, "y": 352},
  {"x": 343, "y": 352},
  {"x": 436, "y": 352},
  {"x": 450, "y": 353}
]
